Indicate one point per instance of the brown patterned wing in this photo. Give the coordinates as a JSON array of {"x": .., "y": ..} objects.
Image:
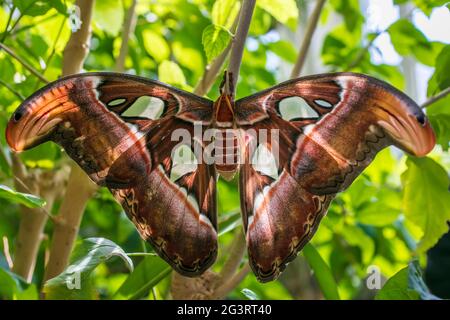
[
  {"x": 94, "y": 118},
  {"x": 322, "y": 131}
]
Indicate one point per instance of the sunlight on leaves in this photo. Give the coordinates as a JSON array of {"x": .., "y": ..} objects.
[
  {"x": 215, "y": 39},
  {"x": 109, "y": 15},
  {"x": 407, "y": 284},
  {"x": 26, "y": 199},
  {"x": 285, "y": 11},
  {"x": 74, "y": 282},
  {"x": 426, "y": 199},
  {"x": 147, "y": 274}
]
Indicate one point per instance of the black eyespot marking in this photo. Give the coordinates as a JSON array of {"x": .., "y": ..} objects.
[
  {"x": 421, "y": 118},
  {"x": 17, "y": 115}
]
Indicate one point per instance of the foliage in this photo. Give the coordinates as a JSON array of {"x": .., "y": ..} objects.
[
  {"x": 407, "y": 284},
  {"x": 381, "y": 219},
  {"x": 29, "y": 200},
  {"x": 75, "y": 282}
]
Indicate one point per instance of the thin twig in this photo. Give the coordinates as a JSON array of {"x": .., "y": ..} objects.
[
  {"x": 28, "y": 190},
  {"x": 52, "y": 53},
  {"x": 235, "y": 257},
  {"x": 361, "y": 54},
  {"x": 237, "y": 47},
  {"x": 128, "y": 28},
  {"x": 310, "y": 28},
  {"x": 211, "y": 72},
  {"x": 35, "y": 23},
  {"x": 10, "y": 88},
  {"x": 435, "y": 98},
  {"x": 79, "y": 188},
  {"x": 23, "y": 62},
  {"x": 11, "y": 13}
]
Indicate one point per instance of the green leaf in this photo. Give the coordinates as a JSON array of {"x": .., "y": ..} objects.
[
  {"x": 408, "y": 40},
  {"x": 188, "y": 57},
  {"x": 407, "y": 284},
  {"x": 285, "y": 11},
  {"x": 156, "y": 45},
  {"x": 426, "y": 199},
  {"x": 4, "y": 165},
  {"x": 322, "y": 272},
  {"x": 427, "y": 6},
  {"x": 284, "y": 49},
  {"x": 8, "y": 285},
  {"x": 441, "y": 77},
  {"x": 261, "y": 22},
  {"x": 441, "y": 127},
  {"x": 350, "y": 10},
  {"x": 169, "y": 72},
  {"x": 12, "y": 286},
  {"x": 356, "y": 237},
  {"x": 74, "y": 282},
  {"x": 439, "y": 107},
  {"x": 26, "y": 199},
  {"x": 378, "y": 214},
  {"x": 33, "y": 8},
  {"x": 148, "y": 273},
  {"x": 405, "y": 36},
  {"x": 224, "y": 12},
  {"x": 249, "y": 294},
  {"x": 215, "y": 39},
  {"x": 396, "y": 288},
  {"x": 108, "y": 15}
]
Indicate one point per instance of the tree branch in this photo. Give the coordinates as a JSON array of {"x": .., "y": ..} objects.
[
  {"x": 24, "y": 63},
  {"x": 32, "y": 222},
  {"x": 79, "y": 190},
  {"x": 237, "y": 251},
  {"x": 128, "y": 29},
  {"x": 237, "y": 47},
  {"x": 29, "y": 238},
  {"x": 435, "y": 98},
  {"x": 360, "y": 56},
  {"x": 222, "y": 291},
  {"x": 10, "y": 88},
  {"x": 77, "y": 47},
  {"x": 79, "y": 187},
  {"x": 310, "y": 28}
]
